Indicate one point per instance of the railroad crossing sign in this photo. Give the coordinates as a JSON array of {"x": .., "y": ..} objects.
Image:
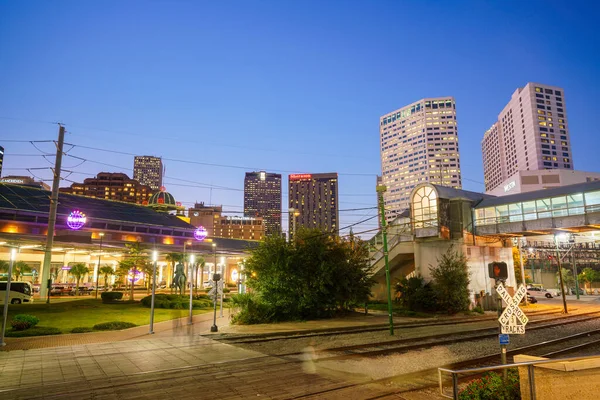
[
  {"x": 216, "y": 289},
  {"x": 513, "y": 319}
]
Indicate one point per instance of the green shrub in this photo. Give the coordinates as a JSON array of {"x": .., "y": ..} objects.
[
  {"x": 492, "y": 387},
  {"x": 113, "y": 326},
  {"x": 226, "y": 290},
  {"x": 416, "y": 295},
  {"x": 82, "y": 329},
  {"x": 108, "y": 297},
  {"x": 20, "y": 322},
  {"x": 177, "y": 302},
  {"x": 35, "y": 331},
  {"x": 252, "y": 310},
  {"x": 451, "y": 282},
  {"x": 478, "y": 310},
  {"x": 202, "y": 297}
]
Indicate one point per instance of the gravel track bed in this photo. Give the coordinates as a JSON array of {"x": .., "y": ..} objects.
[{"x": 397, "y": 364}]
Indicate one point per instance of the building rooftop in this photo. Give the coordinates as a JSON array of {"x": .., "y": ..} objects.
[{"x": 22, "y": 198}]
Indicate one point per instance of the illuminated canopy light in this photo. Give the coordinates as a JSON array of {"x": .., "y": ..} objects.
[
  {"x": 201, "y": 233},
  {"x": 76, "y": 220}
]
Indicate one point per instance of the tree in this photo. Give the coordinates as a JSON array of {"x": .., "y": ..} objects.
[
  {"x": 20, "y": 268},
  {"x": 568, "y": 279},
  {"x": 199, "y": 264},
  {"x": 588, "y": 275},
  {"x": 78, "y": 271},
  {"x": 3, "y": 266},
  {"x": 107, "y": 271},
  {"x": 135, "y": 261},
  {"x": 312, "y": 277},
  {"x": 517, "y": 264},
  {"x": 451, "y": 282}
]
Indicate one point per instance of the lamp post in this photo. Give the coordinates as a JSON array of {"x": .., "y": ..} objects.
[
  {"x": 560, "y": 276},
  {"x": 295, "y": 214},
  {"x": 98, "y": 267},
  {"x": 380, "y": 190},
  {"x": 191, "y": 284},
  {"x": 572, "y": 242},
  {"x": 13, "y": 253},
  {"x": 223, "y": 270},
  {"x": 154, "y": 259},
  {"x": 214, "y": 245}
]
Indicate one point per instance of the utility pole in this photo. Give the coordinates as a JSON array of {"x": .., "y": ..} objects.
[
  {"x": 560, "y": 277},
  {"x": 380, "y": 190},
  {"x": 572, "y": 242},
  {"x": 52, "y": 213}
]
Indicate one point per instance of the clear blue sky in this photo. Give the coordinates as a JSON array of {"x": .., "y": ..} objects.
[{"x": 279, "y": 85}]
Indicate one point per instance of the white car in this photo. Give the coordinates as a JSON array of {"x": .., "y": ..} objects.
[{"x": 537, "y": 291}]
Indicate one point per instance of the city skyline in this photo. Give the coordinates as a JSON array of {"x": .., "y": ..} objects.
[{"x": 309, "y": 92}]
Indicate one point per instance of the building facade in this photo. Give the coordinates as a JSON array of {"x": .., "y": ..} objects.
[
  {"x": 529, "y": 181},
  {"x": 112, "y": 186},
  {"x": 24, "y": 181},
  {"x": 148, "y": 170},
  {"x": 235, "y": 227},
  {"x": 313, "y": 202},
  {"x": 418, "y": 143},
  {"x": 532, "y": 133},
  {"x": 205, "y": 216},
  {"x": 262, "y": 198}
]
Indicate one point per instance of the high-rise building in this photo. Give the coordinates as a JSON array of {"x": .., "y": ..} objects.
[
  {"x": 232, "y": 227},
  {"x": 148, "y": 170},
  {"x": 112, "y": 186},
  {"x": 419, "y": 143},
  {"x": 262, "y": 198},
  {"x": 313, "y": 201},
  {"x": 531, "y": 133}
]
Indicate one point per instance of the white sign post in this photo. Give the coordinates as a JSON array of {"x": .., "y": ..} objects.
[{"x": 513, "y": 319}]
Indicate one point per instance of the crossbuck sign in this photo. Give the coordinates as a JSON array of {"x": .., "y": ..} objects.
[{"x": 513, "y": 319}]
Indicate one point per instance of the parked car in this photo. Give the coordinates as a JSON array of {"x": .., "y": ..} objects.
[
  {"x": 539, "y": 291},
  {"x": 573, "y": 291}
]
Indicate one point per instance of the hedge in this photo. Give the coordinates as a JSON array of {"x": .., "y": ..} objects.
[
  {"x": 20, "y": 322},
  {"x": 108, "y": 297}
]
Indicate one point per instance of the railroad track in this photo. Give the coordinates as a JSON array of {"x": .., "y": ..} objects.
[{"x": 269, "y": 337}]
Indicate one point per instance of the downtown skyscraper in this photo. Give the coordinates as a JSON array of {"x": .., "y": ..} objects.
[
  {"x": 531, "y": 133},
  {"x": 418, "y": 143},
  {"x": 313, "y": 202},
  {"x": 148, "y": 170},
  {"x": 262, "y": 198}
]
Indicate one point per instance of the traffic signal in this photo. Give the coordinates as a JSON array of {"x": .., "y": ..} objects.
[{"x": 498, "y": 270}]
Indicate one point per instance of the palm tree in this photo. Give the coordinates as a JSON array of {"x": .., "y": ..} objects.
[
  {"x": 3, "y": 266},
  {"x": 199, "y": 264},
  {"x": 173, "y": 258},
  {"x": 78, "y": 271},
  {"x": 20, "y": 268},
  {"x": 136, "y": 261},
  {"x": 107, "y": 271}
]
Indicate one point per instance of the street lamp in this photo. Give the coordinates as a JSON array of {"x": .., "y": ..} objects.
[
  {"x": 214, "y": 245},
  {"x": 191, "y": 284},
  {"x": 98, "y": 267},
  {"x": 154, "y": 259},
  {"x": 13, "y": 254}
]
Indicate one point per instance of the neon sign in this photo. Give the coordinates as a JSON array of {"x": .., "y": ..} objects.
[
  {"x": 200, "y": 234},
  {"x": 297, "y": 177},
  {"x": 76, "y": 220}
]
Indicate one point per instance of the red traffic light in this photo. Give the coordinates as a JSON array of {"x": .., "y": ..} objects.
[{"x": 498, "y": 270}]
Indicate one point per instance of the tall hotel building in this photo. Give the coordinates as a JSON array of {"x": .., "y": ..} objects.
[
  {"x": 313, "y": 201},
  {"x": 419, "y": 143},
  {"x": 148, "y": 170},
  {"x": 531, "y": 133},
  {"x": 262, "y": 198}
]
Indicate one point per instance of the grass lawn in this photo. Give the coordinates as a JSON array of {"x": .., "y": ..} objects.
[{"x": 66, "y": 314}]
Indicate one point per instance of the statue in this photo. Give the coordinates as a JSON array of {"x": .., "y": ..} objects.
[{"x": 179, "y": 278}]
